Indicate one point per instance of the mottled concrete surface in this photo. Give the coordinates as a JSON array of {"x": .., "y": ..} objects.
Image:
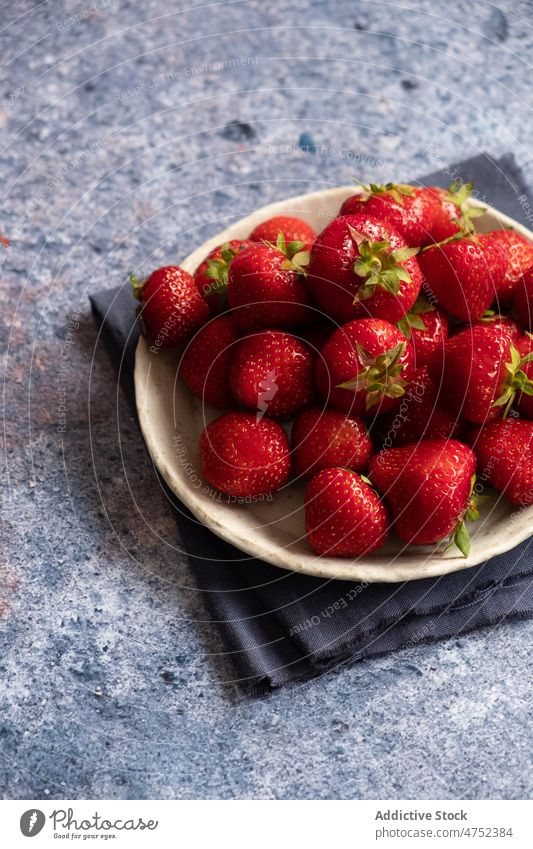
[{"x": 130, "y": 133}]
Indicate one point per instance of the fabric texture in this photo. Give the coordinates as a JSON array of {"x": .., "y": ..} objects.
[{"x": 280, "y": 627}]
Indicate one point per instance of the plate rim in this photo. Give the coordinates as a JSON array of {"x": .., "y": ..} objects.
[{"x": 333, "y": 568}]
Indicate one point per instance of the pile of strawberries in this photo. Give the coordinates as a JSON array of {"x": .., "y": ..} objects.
[{"x": 397, "y": 341}]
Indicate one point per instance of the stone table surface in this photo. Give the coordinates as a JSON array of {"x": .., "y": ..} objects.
[{"x": 130, "y": 132}]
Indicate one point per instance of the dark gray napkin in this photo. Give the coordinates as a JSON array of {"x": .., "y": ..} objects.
[{"x": 280, "y": 627}]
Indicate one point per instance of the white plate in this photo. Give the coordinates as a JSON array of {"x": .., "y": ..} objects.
[{"x": 172, "y": 419}]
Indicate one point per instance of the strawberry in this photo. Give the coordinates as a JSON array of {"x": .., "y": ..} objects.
[
  {"x": 523, "y": 300},
  {"x": 211, "y": 276},
  {"x": 453, "y": 214},
  {"x": 361, "y": 267},
  {"x": 495, "y": 320},
  {"x": 409, "y": 210},
  {"x": 421, "y": 414},
  {"x": 428, "y": 487},
  {"x": 504, "y": 451},
  {"x": 524, "y": 399},
  {"x": 293, "y": 230},
  {"x": 271, "y": 372},
  {"x": 244, "y": 457},
  {"x": 364, "y": 366},
  {"x": 479, "y": 372},
  {"x": 519, "y": 257},
  {"x": 463, "y": 275},
  {"x": 205, "y": 363},
  {"x": 171, "y": 307},
  {"x": 343, "y": 515},
  {"x": 266, "y": 286},
  {"x": 446, "y": 218},
  {"x": 324, "y": 438},
  {"x": 427, "y": 328}
]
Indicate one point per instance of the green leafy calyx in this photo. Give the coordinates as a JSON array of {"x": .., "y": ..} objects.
[
  {"x": 397, "y": 191},
  {"x": 515, "y": 381},
  {"x": 412, "y": 319},
  {"x": 218, "y": 267},
  {"x": 381, "y": 375},
  {"x": 296, "y": 256},
  {"x": 459, "y": 194},
  {"x": 379, "y": 266},
  {"x": 461, "y": 537}
]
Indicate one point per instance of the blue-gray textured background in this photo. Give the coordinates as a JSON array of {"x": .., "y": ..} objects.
[{"x": 129, "y": 133}]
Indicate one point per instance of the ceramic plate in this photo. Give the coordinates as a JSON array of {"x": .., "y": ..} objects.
[{"x": 172, "y": 419}]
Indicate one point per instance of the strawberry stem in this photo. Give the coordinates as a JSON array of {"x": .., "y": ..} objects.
[
  {"x": 453, "y": 238},
  {"x": 138, "y": 285}
]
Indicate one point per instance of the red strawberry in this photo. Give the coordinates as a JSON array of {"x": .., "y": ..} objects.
[
  {"x": 364, "y": 366},
  {"x": 205, "y": 363},
  {"x": 446, "y": 219},
  {"x": 411, "y": 211},
  {"x": 421, "y": 414},
  {"x": 524, "y": 399},
  {"x": 495, "y": 320},
  {"x": 361, "y": 267},
  {"x": 519, "y": 257},
  {"x": 171, "y": 307},
  {"x": 271, "y": 372},
  {"x": 428, "y": 487},
  {"x": 523, "y": 300},
  {"x": 426, "y": 327},
  {"x": 267, "y": 288},
  {"x": 343, "y": 515},
  {"x": 293, "y": 230},
  {"x": 463, "y": 275},
  {"x": 504, "y": 451},
  {"x": 479, "y": 372},
  {"x": 211, "y": 276},
  {"x": 244, "y": 457},
  {"x": 453, "y": 214},
  {"x": 324, "y": 438}
]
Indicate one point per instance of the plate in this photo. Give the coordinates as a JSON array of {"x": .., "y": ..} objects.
[{"x": 273, "y": 530}]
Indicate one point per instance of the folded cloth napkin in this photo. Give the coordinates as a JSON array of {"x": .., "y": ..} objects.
[{"x": 281, "y": 627}]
